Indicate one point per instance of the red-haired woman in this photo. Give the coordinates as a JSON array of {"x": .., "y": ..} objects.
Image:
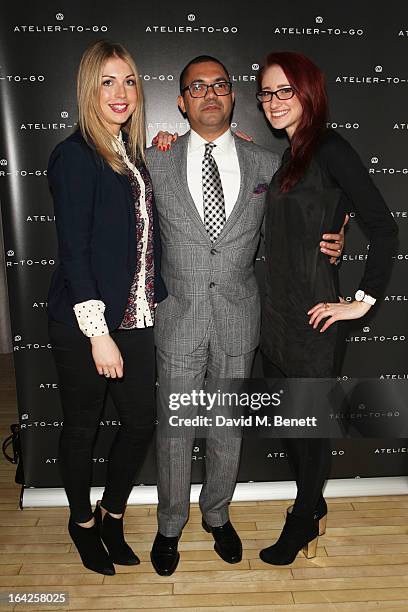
[{"x": 320, "y": 180}]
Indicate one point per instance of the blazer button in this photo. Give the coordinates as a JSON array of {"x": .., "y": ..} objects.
[
  {"x": 213, "y": 251},
  {"x": 212, "y": 285}
]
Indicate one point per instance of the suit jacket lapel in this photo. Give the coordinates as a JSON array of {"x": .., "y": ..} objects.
[
  {"x": 179, "y": 162},
  {"x": 246, "y": 160}
]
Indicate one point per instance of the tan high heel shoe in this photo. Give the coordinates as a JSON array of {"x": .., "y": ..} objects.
[{"x": 310, "y": 549}]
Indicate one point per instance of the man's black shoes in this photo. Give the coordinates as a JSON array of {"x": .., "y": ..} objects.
[
  {"x": 164, "y": 554},
  {"x": 227, "y": 542}
]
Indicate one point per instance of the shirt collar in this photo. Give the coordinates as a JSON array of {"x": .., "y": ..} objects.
[
  {"x": 223, "y": 142},
  {"x": 118, "y": 143}
]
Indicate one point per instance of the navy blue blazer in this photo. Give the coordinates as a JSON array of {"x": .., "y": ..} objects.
[{"x": 96, "y": 230}]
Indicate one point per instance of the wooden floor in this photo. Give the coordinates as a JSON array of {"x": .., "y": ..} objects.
[{"x": 361, "y": 564}]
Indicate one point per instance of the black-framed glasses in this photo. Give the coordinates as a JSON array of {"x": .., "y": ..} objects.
[
  {"x": 199, "y": 90},
  {"x": 285, "y": 93}
]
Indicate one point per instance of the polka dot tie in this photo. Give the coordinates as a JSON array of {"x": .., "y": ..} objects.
[{"x": 213, "y": 196}]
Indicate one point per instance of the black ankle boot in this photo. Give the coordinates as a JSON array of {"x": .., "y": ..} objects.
[
  {"x": 111, "y": 532},
  {"x": 298, "y": 533},
  {"x": 90, "y": 548},
  {"x": 320, "y": 514}
]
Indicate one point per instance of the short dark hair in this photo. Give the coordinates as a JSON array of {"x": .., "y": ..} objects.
[{"x": 200, "y": 59}]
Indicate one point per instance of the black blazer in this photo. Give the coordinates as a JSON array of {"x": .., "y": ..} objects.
[{"x": 96, "y": 230}]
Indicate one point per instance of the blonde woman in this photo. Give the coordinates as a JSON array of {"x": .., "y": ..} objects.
[{"x": 102, "y": 296}]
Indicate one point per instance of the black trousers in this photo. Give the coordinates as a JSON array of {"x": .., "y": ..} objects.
[
  {"x": 82, "y": 392},
  {"x": 309, "y": 459}
]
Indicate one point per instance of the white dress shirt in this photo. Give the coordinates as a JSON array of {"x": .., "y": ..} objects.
[{"x": 225, "y": 155}]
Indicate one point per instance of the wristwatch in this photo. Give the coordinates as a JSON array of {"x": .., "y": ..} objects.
[{"x": 364, "y": 297}]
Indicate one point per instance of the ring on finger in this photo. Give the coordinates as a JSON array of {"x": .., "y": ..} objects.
[{"x": 107, "y": 375}]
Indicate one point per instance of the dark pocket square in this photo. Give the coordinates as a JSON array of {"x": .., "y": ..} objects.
[{"x": 261, "y": 188}]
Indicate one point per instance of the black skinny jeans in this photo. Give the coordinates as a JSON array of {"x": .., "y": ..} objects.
[{"x": 82, "y": 392}]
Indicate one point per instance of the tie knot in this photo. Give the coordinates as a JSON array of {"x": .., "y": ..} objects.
[{"x": 209, "y": 149}]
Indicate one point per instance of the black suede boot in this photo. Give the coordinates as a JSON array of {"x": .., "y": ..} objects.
[
  {"x": 298, "y": 533},
  {"x": 320, "y": 514},
  {"x": 111, "y": 532},
  {"x": 91, "y": 550}
]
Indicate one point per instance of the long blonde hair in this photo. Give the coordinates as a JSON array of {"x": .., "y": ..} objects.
[{"x": 91, "y": 123}]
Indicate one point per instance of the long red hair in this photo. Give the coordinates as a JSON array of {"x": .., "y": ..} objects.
[{"x": 309, "y": 83}]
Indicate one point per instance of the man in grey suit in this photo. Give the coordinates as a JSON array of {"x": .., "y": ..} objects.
[{"x": 210, "y": 193}]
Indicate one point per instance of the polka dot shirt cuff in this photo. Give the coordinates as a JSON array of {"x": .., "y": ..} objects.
[{"x": 91, "y": 318}]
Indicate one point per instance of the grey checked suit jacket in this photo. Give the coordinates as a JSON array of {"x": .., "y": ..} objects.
[{"x": 209, "y": 280}]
